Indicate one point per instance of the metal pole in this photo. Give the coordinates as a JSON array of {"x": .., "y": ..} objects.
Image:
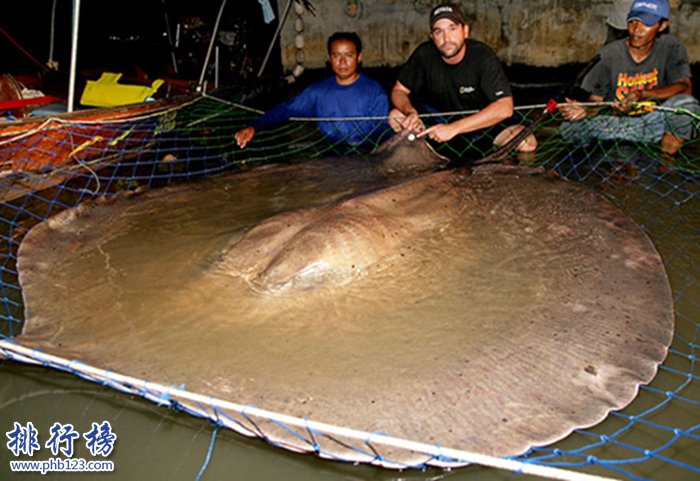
[
  {"x": 51, "y": 63},
  {"x": 73, "y": 55},
  {"x": 216, "y": 67},
  {"x": 169, "y": 34},
  {"x": 211, "y": 46},
  {"x": 274, "y": 38}
]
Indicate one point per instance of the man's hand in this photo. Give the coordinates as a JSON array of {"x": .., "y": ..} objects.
[
  {"x": 439, "y": 132},
  {"x": 631, "y": 102},
  {"x": 398, "y": 121},
  {"x": 571, "y": 110},
  {"x": 244, "y": 136}
]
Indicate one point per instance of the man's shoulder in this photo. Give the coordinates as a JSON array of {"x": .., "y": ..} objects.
[
  {"x": 368, "y": 82},
  {"x": 325, "y": 82},
  {"x": 668, "y": 41},
  {"x": 424, "y": 58},
  {"x": 479, "y": 52},
  {"x": 321, "y": 87},
  {"x": 425, "y": 50},
  {"x": 427, "y": 45},
  {"x": 368, "y": 87},
  {"x": 613, "y": 48}
]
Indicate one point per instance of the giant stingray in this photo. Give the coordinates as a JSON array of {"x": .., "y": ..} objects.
[{"x": 488, "y": 309}]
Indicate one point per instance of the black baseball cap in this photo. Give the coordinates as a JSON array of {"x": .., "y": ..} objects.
[{"x": 447, "y": 10}]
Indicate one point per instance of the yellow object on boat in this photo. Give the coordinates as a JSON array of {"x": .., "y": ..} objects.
[{"x": 106, "y": 92}]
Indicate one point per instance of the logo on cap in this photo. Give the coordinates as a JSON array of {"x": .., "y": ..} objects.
[
  {"x": 443, "y": 9},
  {"x": 447, "y": 10},
  {"x": 649, "y": 12}
]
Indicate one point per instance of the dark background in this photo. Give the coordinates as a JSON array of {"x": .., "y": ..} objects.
[{"x": 130, "y": 36}]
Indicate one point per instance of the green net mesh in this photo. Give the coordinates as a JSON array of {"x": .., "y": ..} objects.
[{"x": 51, "y": 165}]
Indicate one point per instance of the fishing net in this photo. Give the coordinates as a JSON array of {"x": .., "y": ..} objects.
[{"x": 51, "y": 167}]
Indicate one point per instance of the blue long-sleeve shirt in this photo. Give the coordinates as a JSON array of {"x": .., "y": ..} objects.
[{"x": 327, "y": 99}]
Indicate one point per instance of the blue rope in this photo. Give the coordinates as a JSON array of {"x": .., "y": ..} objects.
[
  {"x": 130, "y": 156},
  {"x": 209, "y": 452}
]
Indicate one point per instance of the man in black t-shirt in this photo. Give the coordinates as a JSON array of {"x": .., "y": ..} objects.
[{"x": 452, "y": 73}]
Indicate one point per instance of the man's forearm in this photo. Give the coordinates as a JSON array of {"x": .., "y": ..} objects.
[
  {"x": 490, "y": 115},
  {"x": 401, "y": 101},
  {"x": 683, "y": 86}
]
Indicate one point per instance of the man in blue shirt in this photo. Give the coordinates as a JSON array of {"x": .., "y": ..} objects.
[{"x": 346, "y": 98}]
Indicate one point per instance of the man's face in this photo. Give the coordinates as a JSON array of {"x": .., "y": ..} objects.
[
  {"x": 449, "y": 38},
  {"x": 344, "y": 60},
  {"x": 641, "y": 35}
]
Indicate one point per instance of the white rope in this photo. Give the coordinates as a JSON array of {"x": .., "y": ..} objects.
[
  {"x": 29, "y": 132},
  {"x": 677, "y": 110},
  {"x": 217, "y": 114},
  {"x": 112, "y": 120},
  {"x": 12, "y": 350},
  {"x": 232, "y": 104},
  {"x": 127, "y": 117}
]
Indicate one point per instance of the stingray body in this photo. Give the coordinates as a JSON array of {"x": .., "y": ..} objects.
[
  {"x": 489, "y": 310},
  {"x": 339, "y": 242}
]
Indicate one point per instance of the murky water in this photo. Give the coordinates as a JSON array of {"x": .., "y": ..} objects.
[{"x": 166, "y": 445}]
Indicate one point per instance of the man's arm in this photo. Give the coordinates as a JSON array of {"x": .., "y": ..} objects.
[
  {"x": 404, "y": 115},
  {"x": 301, "y": 106},
  {"x": 683, "y": 86},
  {"x": 490, "y": 115},
  {"x": 273, "y": 117},
  {"x": 572, "y": 110}
]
